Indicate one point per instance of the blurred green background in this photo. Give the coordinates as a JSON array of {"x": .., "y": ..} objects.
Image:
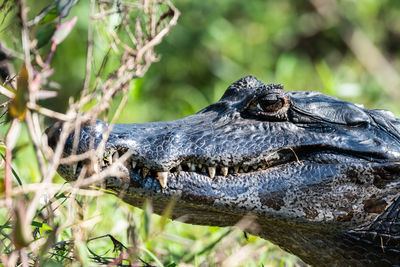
[{"x": 218, "y": 42}]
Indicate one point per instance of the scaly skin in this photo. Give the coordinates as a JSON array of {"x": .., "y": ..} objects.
[{"x": 321, "y": 176}]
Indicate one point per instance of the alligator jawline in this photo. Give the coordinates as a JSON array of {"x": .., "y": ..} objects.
[
  {"x": 199, "y": 166},
  {"x": 190, "y": 165}
]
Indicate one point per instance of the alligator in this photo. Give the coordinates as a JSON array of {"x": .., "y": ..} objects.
[{"x": 320, "y": 176}]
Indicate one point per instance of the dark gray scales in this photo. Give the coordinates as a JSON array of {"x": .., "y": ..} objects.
[{"x": 321, "y": 176}]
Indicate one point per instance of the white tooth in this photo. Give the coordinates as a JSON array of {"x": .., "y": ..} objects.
[
  {"x": 162, "y": 178},
  {"x": 193, "y": 167},
  {"x": 115, "y": 156},
  {"x": 74, "y": 166},
  {"x": 102, "y": 163},
  {"x": 133, "y": 164},
  {"x": 224, "y": 171},
  {"x": 189, "y": 165},
  {"x": 200, "y": 166},
  {"x": 180, "y": 168},
  {"x": 236, "y": 169},
  {"x": 145, "y": 171},
  {"x": 211, "y": 172}
]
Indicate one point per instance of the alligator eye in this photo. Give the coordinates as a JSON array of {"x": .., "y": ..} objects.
[{"x": 270, "y": 105}]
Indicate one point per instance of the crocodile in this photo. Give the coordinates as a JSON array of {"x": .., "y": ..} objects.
[{"x": 320, "y": 176}]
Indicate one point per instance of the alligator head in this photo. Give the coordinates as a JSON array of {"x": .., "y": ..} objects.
[{"x": 321, "y": 176}]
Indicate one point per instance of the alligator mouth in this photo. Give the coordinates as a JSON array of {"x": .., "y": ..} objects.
[
  {"x": 204, "y": 166},
  {"x": 197, "y": 165}
]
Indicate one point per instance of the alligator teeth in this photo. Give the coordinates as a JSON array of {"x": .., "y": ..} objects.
[
  {"x": 193, "y": 167},
  {"x": 162, "y": 178},
  {"x": 189, "y": 165},
  {"x": 200, "y": 166},
  {"x": 236, "y": 169},
  {"x": 145, "y": 171},
  {"x": 133, "y": 164},
  {"x": 74, "y": 166},
  {"x": 224, "y": 171},
  {"x": 245, "y": 168},
  {"x": 211, "y": 172}
]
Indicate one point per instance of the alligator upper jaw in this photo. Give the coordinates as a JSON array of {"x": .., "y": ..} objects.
[
  {"x": 191, "y": 164},
  {"x": 201, "y": 166}
]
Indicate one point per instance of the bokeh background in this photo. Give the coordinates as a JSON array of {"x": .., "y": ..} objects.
[
  {"x": 305, "y": 45},
  {"x": 349, "y": 49}
]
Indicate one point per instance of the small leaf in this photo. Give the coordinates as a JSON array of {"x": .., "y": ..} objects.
[
  {"x": 48, "y": 14},
  {"x": 22, "y": 235},
  {"x": 17, "y": 106},
  {"x": 44, "y": 34},
  {"x": 62, "y": 32},
  {"x": 13, "y": 171},
  {"x": 148, "y": 210},
  {"x": 41, "y": 225},
  {"x": 167, "y": 213},
  {"x": 64, "y": 7}
]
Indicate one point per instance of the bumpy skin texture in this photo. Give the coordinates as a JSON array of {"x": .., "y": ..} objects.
[{"x": 321, "y": 176}]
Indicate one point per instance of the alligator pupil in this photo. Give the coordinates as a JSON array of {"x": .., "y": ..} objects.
[{"x": 271, "y": 105}]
